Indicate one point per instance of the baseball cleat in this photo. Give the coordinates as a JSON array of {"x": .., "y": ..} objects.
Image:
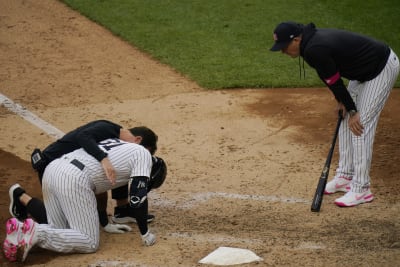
[
  {"x": 339, "y": 184},
  {"x": 13, "y": 239},
  {"x": 351, "y": 199},
  {"x": 29, "y": 239},
  {"x": 16, "y": 209}
]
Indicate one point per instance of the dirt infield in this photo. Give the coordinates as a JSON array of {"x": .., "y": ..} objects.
[{"x": 243, "y": 164}]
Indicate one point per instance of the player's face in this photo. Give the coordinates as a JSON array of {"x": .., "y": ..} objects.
[{"x": 293, "y": 49}]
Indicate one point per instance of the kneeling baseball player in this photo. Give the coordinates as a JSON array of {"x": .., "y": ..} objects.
[
  {"x": 70, "y": 185},
  {"x": 86, "y": 136}
]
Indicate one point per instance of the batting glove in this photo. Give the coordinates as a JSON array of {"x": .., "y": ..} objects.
[
  {"x": 117, "y": 228},
  {"x": 138, "y": 192},
  {"x": 148, "y": 239}
]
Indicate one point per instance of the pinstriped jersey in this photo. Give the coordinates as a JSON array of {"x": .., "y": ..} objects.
[{"x": 128, "y": 160}]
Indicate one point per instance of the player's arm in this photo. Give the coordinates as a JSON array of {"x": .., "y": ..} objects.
[
  {"x": 320, "y": 59},
  {"x": 342, "y": 95},
  {"x": 140, "y": 214},
  {"x": 103, "y": 217},
  {"x": 140, "y": 163},
  {"x": 138, "y": 191},
  {"x": 139, "y": 182},
  {"x": 88, "y": 137},
  {"x": 138, "y": 201}
]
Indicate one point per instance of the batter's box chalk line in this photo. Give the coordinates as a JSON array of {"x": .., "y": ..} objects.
[
  {"x": 105, "y": 263},
  {"x": 215, "y": 238},
  {"x": 30, "y": 117},
  {"x": 199, "y": 198}
]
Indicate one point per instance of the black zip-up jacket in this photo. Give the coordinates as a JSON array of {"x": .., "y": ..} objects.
[
  {"x": 337, "y": 53},
  {"x": 86, "y": 136}
]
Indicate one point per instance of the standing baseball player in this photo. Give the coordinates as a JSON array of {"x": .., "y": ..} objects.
[
  {"x": 372, "y": 69},
  {"x": 87, "y": 137},
  {"x": 69, "y": 187}
]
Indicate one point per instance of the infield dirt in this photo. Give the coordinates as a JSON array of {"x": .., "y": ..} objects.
[{"x": 243, "y": 164}]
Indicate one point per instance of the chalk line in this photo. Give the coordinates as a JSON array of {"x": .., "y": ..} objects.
[
  {"x": 215, "y": 238},
  {"x": 30, "y": 117},
  {"x": 198, "y": 198},
  {"x": 116, "y": 263}
]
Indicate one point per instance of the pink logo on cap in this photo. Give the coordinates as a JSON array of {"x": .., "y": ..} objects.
[{"x": 275, "y": 37}]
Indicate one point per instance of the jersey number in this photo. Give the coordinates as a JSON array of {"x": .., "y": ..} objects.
[{"x": 108, "y": 144}]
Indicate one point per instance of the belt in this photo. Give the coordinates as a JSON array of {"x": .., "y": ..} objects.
[{"x": 78, "y": 164}]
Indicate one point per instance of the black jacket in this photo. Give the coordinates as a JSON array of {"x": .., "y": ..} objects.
[
  {"x": 337, "y": 53},
  {"x": 86, "y": 136}
]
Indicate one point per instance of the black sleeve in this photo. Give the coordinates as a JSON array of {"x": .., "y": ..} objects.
[
  {"x": 103, "y": 218},
  {"x": 320, "y": 59},
  {"x": 141, "y": 217},
  {"x": 102, "y": 208},
  {"x": 88, "y": 136},
  {"x": 121, "y": 192},
  {"x": 342, "y": 95}
]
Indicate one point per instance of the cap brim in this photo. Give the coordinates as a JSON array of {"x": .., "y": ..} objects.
[{"x": 279, "y": 46}]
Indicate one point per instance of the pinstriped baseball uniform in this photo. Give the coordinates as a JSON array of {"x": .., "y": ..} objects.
[
  {"x": 355, "y": 152},
  {"x": 69, "y": 187},
  {"x": 372, "y": 69}
]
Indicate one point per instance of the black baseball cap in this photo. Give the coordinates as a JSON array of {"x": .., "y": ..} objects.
[{"x": 284, "y": 34}]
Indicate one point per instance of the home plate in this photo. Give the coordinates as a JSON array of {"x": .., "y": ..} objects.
[{"x": 230, "y": 256}]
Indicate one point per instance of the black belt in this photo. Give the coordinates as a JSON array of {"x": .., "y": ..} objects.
[{"x": 78, "y": 164}]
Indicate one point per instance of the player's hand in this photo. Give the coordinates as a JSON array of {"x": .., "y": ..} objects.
[
  {"x": 138, "y": 191},
  {"x": 149, "y": 239},
  {"x": 117, "y": 228},
  {"x": 109, "y": 170},
  {"x": 355, "y": 124}
]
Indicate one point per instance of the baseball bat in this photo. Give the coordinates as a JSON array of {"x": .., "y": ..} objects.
[{"x": 319, "y": 192}]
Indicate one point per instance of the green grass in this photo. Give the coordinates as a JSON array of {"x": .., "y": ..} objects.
[{"x": 225, "y": 43}]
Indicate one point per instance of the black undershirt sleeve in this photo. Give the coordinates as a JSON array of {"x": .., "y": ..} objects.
[
  {"x": 141, "y": 217},
  {"x": 86, "y": 136},
  {"x": 89, "y": 136},
  {"x": 342, "y": 95}
]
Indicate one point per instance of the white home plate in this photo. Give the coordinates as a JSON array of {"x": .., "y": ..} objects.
[{"x": 230, "y": 256}]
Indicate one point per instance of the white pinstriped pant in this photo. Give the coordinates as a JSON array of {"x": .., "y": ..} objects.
[
  {"x": 71, "y": 210},
  {"x": 355, "y": 152}
]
